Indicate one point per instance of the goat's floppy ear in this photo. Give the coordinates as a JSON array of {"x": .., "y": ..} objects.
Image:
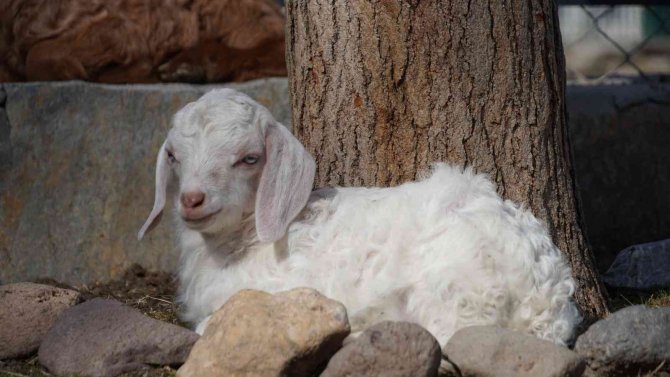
[
  {"x": 285, "y": 184},
  {"x": 162, "y": 176}
]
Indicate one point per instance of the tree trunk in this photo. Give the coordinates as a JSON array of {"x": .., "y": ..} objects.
[{"x": 381, "y": 89}]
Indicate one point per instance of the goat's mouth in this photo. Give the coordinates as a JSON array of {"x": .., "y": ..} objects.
[{"x": 197, "y": 218}]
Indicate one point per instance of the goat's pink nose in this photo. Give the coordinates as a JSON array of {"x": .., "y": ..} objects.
[{"x": 192, "y": 199}]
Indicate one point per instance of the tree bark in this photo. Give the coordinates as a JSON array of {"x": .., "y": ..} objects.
[{"x": 381, "y": 89}]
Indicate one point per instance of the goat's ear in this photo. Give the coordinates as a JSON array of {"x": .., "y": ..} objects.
[
  {"x": 162, "y": 176},
  {"x": 285, "y": 183}
]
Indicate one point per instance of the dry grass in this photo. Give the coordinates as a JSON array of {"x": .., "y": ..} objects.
[
  {"x": 19, "y": 368},
  {"x": 152, "y": 293},
  {"x": 656, "y": 372},
  {"x": 31, "y": 368},
  {"x": 623, "y": 298},
  {"x": 659, "y": 299}
]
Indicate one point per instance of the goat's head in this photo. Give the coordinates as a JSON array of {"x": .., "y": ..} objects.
[{"x": 232, "y": 158}]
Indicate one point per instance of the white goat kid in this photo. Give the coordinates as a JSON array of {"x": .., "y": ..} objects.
[{"x": 445, "y": 252}]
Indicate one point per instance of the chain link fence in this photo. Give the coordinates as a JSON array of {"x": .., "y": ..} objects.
[{"x": 611, "y": 40}]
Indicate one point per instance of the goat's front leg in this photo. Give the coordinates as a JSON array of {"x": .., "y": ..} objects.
[
  {"x": 351, "y": 337},
  {"x": 202, "y": 325}
]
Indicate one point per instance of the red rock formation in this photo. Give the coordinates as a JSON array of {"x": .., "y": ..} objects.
[{"x": 129, "y": 41}]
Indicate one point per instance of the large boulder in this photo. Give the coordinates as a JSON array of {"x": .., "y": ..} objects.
[
  {"x": 630, "y": 342},
  {"x": 492, "y": 351},
  {"x": 77, "y": 175},
  {"x": 291, "y": 333},
  {"x": 76, "y": 171},
  {"x": 388, "y": 349},
  {"x": 619, "y": 139},
  {"x": 641, "y": 267},
  {"x": 104, "y": 338},
  {"x": 27, "y": 312}
]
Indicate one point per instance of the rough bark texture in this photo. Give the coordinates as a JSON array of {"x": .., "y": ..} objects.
[{"x": 381, "y": 89}]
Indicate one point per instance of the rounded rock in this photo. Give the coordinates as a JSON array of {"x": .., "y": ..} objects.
[
  {"x": 630, "y": 342},
  {"x": 255, "y": 333},
  {"x": 388, "y": 349},
  {"x": 27, "y": 312},
  {"x": 105, "y": 338}
]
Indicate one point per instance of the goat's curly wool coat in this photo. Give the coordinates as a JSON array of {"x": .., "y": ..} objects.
[{"x": 445, "y": 251}]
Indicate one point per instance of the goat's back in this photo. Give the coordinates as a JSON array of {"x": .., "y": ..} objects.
[{"x": 446, "y": 252}]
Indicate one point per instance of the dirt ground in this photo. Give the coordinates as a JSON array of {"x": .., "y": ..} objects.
[{"x": 152, "y": 293}]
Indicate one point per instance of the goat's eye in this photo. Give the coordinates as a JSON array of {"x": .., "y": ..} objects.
[
  {"x": 171, "y": 158},
  {"x": 250, "y": 160}
]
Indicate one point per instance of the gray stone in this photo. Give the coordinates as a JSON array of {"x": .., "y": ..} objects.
[
  {"x": 255, "y": 333},
  {"x": 81, "y": 178},
  {"x": 388, "y": 349},
  {"x": 105, "y": 338},
  {"x": 492, "y": 351},
  {"x": 27, "y": 312},
  {"x": 641, "y": 267},
  {"x": 76, "y": 170},
  {"x": 630, "y": 342},
  {"x": 619, "y": 137}
]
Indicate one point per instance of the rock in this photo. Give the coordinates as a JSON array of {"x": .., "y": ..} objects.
[
  {"x": 630, "y": 342},
  {"x": 76, "y": 171},
  {"x": 80, "y": 180},
  {"x": 105, "y": 338},
  {"x": 388, "y": 349},
  {"x": 291, "y": 333},
  {"x": 27, "y": 312},
  {"x": 642, "y": 267},
  {"x": 493, "y": 351},
  {"x": 623, "y": 187}
]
